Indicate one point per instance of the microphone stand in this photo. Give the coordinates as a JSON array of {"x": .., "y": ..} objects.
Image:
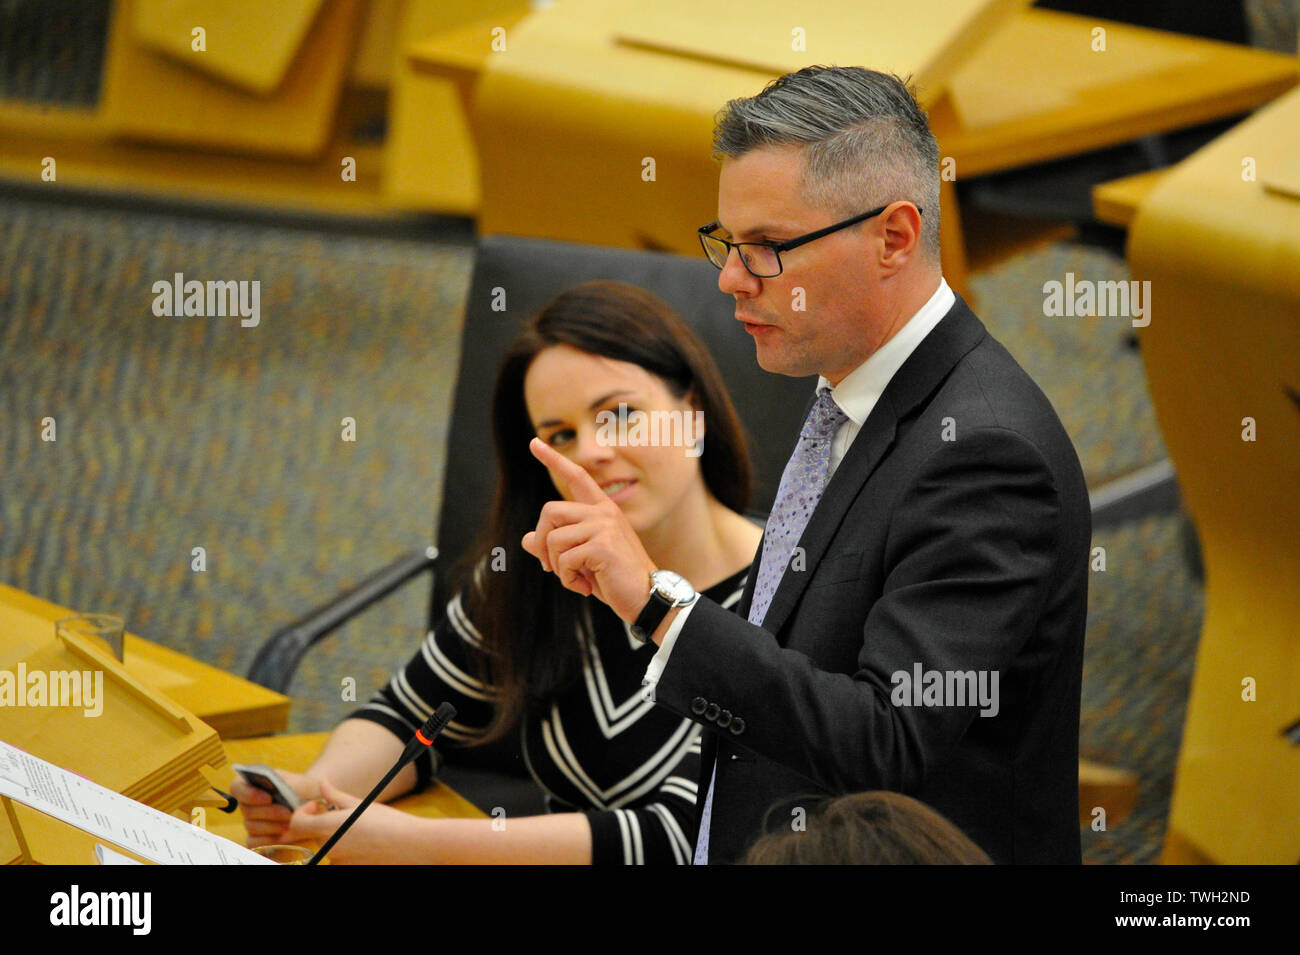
[{"x": 422, "y": 739}]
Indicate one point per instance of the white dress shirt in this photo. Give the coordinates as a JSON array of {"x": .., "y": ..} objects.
[{"x": 856, "y": 395}]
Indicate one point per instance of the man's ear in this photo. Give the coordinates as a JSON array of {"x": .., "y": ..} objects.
[{"x": 902, "y": 233}]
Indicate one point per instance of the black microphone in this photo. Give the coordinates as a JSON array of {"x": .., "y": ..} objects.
[{"x": 422, "y": 739}]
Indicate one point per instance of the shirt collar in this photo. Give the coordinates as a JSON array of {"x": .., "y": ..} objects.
[{"x": 861, "y": 388}]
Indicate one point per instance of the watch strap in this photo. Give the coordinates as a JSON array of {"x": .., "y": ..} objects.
[{"x": 647, "y": 622}]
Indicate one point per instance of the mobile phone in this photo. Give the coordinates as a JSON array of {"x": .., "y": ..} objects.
[{"x": 268, "y": 780}]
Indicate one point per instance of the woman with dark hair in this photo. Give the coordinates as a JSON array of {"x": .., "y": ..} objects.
[
  {"x": 870, "y": 828},
  {"x": 612, "y": 378}
]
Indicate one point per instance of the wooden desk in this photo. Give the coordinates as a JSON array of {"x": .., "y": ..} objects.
[
  {"x": 429, "y": 158},
  {"x": 1036, "y": 90},
  {"x": 566, "y": 121},
  {"x": 563, "y": 124},
  {"x": 295, "y": 753},
  {"x": 159, "y": 97},
  {"x": 92, "y": 159},
  {"x": 249, "y": 44},
  {"x": 63, "y": 844},
  {"x": 231, "y": 706},
  {"x": 1117, "y": 202},
  {"x": 1218, "y": 239}
]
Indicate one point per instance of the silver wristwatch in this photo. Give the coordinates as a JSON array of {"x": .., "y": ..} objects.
[{"x": 667, "y": 590}]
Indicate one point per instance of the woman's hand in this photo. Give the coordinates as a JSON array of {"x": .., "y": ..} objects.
[
  {"x": 267, "y": 823},
  {"x": 382, "y": 835}
]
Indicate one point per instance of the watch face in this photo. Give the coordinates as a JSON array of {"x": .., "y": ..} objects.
[{"x": 673, "y": 586}]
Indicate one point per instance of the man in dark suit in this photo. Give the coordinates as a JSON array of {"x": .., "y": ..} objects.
[{"x": 915, "y": 620}]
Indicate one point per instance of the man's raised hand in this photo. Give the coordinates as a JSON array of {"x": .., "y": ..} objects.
[{"x": 587, "y": 542}]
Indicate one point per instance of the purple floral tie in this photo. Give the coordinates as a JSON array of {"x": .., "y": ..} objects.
[{"x": 801, "y": 488}]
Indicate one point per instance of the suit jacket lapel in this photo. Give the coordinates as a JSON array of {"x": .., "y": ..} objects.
[{"x": 934, "y": 358}]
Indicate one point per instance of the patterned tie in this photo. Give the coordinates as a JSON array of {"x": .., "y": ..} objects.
[{"x": 801, "y": 488}]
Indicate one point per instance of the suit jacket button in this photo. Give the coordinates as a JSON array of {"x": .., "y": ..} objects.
[
  {"x": 724, "y": 719},
  {"x": 737, "y": 726},
  {"x": 698, "y": 705},
  {"x": 712, "y": 712}
]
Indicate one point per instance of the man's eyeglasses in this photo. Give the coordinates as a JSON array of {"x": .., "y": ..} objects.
[{"x": 763, "y": 259}]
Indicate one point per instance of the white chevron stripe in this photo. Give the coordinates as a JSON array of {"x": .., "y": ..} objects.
[
  {"x": 654, "y": 768},
  {"x": 688, "y": 786},
  {"x": 638, "y": 846},
  {"x": 458, "y": 731},
  {"x": 676, "y": 838},
  {"x": 626, "y": 837},
  {"x": 611, "y": 718},
  {"x": 681, "y": 794},
  {"x": 626, "y": 790},
  {"x": 615, "y": 718},
  {"x": 552, "y": 798},
  {"x": 389, "y": 711},
  {"x": 462, "y": 624},
  {"x": 453, "y": 675},
  {"x": 452, "y": 730},
  {"x": 405, "y": 693},
  {"x": 562, "y": 757}
]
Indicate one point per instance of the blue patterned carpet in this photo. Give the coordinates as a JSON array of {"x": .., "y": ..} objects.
[{"x": 177, "y": 433}]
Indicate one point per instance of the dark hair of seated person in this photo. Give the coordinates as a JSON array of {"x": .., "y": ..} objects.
[
  {"x": 869, "y": 828},
  {"x": 531, "y": 663}
]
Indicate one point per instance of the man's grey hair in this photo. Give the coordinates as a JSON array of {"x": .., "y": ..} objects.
[{"x": 866, "y": 140}]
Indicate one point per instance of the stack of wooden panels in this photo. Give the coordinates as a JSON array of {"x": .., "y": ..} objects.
[
  {"x": 283, "y": 106},
  {"x": 68, "y": 701}
]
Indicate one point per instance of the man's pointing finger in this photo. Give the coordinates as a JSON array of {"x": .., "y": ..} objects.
[{"x": 581, "y": 486}]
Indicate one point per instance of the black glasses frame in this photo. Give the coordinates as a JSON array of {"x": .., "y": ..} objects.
[{"x": 778, "y": 247}]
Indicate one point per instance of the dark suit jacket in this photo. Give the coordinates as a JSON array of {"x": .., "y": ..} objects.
[{"x": 955, "y": 544}]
